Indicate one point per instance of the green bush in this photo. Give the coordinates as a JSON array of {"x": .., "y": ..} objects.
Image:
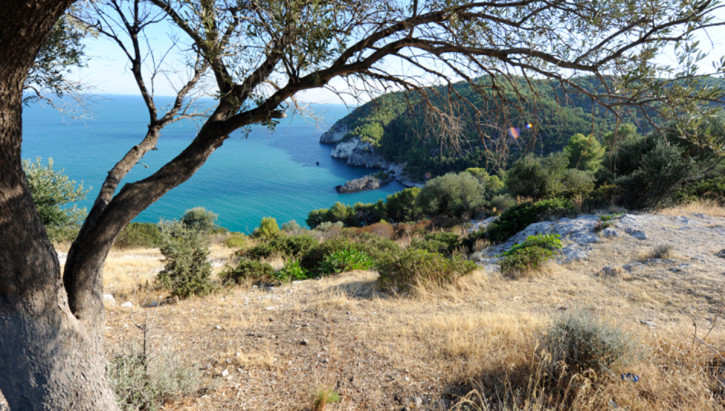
[
  {"x": 248, "y": 270},
  {"x": 441, "y": 243},
  {"x": 402, "y": 206},
  {"x": 314, "y": 256},
  {"x": 186, "y": 269},
  {"x": 521, "y": 216},
  {"x": 291, "y": 227},
  {"x": 537, "y": 177},
  {"x": 529, "y": 255},
  {"x": 454, "y": 195},
  {"x": 578, "y": 343},
  {"x": 143, "y": 383},
  {"x": 292, "y": 271},
  {"x": 413, "y": 267},
  {"x": 345, "y": 260},
  {"x": 199, "y": 219},
  {"x": 281, "y": 246},
  {"x": 52, "y": 191},
  {"x": 267, "y": 229},
  {"x": 710, "y": 189},
  {"x": 584, "y": 153},
  {"x": 501, "y": 203},
  {"x": 236, "y": 240},
  {"x": 141, "y": 235}
]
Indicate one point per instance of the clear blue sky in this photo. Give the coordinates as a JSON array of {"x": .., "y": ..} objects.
[{"x": 107, "y": 71}]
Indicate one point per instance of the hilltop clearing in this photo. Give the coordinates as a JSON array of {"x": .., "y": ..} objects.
[{"x": 276, "y": 348}]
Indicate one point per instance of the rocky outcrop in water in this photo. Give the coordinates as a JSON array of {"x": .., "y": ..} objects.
[
  {"x": 357, "y": 153},
  {"x": 368, "y": 182}
]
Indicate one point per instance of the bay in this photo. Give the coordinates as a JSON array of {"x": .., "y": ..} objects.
[{"x": 262, "y": 173}]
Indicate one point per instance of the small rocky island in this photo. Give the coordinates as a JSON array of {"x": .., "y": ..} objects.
[{"x": 368, "y": 182}]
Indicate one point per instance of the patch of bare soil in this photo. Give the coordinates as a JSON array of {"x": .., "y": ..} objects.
[{"x": 268, "y": 349}]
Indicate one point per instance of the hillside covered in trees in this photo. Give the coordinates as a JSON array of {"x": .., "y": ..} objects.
[{"x": 487, "y": 125}]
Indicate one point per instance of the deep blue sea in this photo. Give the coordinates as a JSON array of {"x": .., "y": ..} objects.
[{"x": 267, "y": 173}]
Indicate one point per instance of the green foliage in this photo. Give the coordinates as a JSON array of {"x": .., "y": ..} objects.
[
  {"x": 492, "y": 185},
  {"x": 584, "y": 153},
  {"x": 236, "y": 240},
  {"x": 323, "y": 397},
  {"x": 52, "y": 191},
  {"x": 141, "y": 235},
  {"x": 501, "y": 203},
  {"x": 248, "y": 270},
  {"x": 710, "y": 189},
  {"x": 268, "y": 228},
  {"x": 145, "y": 383},
  {"x": 291, "y": 227},
  {"x": 578, "y": 343},
  {"x": 186, "y": 269},
  {"x": 660, "y": 174},
  {"x": 537, "y": 177},
  {"x": 341, "y": 261},
  {"x": 292, "y": 271},
  {"x": 413, "y": 267},
  {"x": 199, "y": 219},
  {"x": 528, "y": 256},
  {"x": 454, "y": 195},
  {"x": 282, "y": 246},
  {"x": 519, "y": 217},
  {"x": 62, "y": 49},
  {"x": 441, "y": 243},
  {"x": 313, "y": 258}
]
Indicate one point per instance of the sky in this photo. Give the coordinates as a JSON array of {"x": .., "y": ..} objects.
[{"x": 107, "y": 70}]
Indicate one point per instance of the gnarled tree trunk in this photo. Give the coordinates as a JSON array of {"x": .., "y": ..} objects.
[{"x": 49, "y": 359}]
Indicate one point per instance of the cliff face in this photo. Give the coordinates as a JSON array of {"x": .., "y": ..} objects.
[
  {"x": 335, "y": 134},
  {"x": 358, "y": 153}
]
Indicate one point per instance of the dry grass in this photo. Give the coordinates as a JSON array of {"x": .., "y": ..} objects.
[
  {"x": 475, "y": 344},
  {"x": 706, "y": 207}
]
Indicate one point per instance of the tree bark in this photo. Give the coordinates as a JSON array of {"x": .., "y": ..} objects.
[{"x": 48, "y": 358}]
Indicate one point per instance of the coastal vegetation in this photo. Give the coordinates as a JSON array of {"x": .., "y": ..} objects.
[{"x": 257, "y": 59}]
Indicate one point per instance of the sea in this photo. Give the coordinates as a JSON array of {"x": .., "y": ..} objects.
[{"x": 282, "y": 173}]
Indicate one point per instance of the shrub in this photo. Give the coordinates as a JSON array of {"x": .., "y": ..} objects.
[
  {"x": 291, "y": 227},
  {"x": 529, "y": 255},
  {"x": 199, "y": 219},
  {"x": 366, "y": 214},
  {"x": 236, "y": 240},
  {"x": 314, "y": 256},
  {"x": 710, "y": 189},
  {"x": 501, "y": 203},
  {"x": 145, "y": 383},
  {"x": 442, "y": 243},
  {"x": 142, "y": 235},
  {"x": 186, "y": 271},
  {"x": 51, "y": 191},
  {"x": 248, "y": 270},
  {"x": 519, "y": 217},
  {"x": 578, "y": 343},
  {"x": 345, "y": 260},
  {"x": 292, "y": 271},
  {"x": 413, "y": 267},
  {"x": 454, "y": 195},
  {"x": 402, "y": 206},
  {"x": 661, "y": 173},
  {"x": 281, "y": 246},
  {"x": 537, "y": 177},
  {"x": 268, "y": 228},
  {"x": 584, "y": 153}
]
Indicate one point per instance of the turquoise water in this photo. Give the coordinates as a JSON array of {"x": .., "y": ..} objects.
[{"x": 268, "y": 173}]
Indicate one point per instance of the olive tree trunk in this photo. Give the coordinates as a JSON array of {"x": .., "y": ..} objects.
[{"x": 49, "y": 358}]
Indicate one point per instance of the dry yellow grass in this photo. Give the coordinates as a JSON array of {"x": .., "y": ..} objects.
[
  {"x": 706, "y": 207},
  {"x": 475, "y": 344}
]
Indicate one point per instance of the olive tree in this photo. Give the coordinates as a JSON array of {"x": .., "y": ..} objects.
[{"x": 256, "y": 56}]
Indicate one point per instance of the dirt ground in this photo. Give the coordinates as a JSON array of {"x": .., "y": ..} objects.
[{"x": 275, "y": 348}]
